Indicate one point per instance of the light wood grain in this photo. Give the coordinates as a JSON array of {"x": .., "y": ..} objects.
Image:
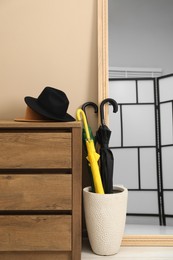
[
  {"x": 10, "y": 124},
  {"x": 35, "y": 192},
  {"x": 147, "y": 240},
  {"x": 35, "y": 255},
  {"x": 77, "y": 195},
  {"x": 35, "y": 233},
  {"x": 102, "y": 49},
  {"x": 40, "y": 173},
  {"x": 36, "y": 150}
]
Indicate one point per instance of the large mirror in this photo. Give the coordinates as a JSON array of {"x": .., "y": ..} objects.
[{"x": 154, "y": 233}]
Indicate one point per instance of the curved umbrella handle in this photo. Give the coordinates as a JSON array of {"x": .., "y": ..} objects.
[
  {"x": 81, "y": 116},
  {"x": 92, "y": 104},
  {"x": 112, "y": 102}
]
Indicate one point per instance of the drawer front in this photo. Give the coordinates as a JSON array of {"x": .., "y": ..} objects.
[
  {"x": 35, "y": 192},
  {"x": 35, "y": 233},
  {"x": 35, "y": 150},
  {"x": 22, "y": 255}
]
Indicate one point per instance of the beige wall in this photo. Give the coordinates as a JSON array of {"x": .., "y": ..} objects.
[{"x": 47, "y": 43}]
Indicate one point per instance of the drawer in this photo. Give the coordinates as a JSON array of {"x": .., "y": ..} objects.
[
  {"x": 37, "y": 255},
  {"x": 35, "y": 233},
  {"x": 28, "y": 150},
  {"x": 35, "y": 192}
]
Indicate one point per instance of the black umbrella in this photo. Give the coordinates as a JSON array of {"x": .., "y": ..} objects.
[{"x": 106, "y": 157}]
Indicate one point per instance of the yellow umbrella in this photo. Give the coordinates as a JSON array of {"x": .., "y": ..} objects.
[{"x": 93, "y": 156}]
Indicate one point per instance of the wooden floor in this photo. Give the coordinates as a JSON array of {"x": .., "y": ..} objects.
[{"x": 130, "y": 253}]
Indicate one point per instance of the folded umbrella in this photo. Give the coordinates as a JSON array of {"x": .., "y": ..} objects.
[
  {"x": 92, "y": 156},
  {"x": 106, "y": 157},
  {"x": 84, "y": 106}
]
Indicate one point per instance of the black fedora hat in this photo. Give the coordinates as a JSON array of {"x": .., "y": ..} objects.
[{"x": 51, "y": 103}]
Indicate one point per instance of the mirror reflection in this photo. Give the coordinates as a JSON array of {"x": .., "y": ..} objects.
[{"x": 141, "y": 81}]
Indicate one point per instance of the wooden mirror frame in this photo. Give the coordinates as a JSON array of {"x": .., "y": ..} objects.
[{"x": 128, "y": 240}]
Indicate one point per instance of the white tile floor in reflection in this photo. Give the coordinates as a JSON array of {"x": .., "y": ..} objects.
[{"x": 131, "y": 229}]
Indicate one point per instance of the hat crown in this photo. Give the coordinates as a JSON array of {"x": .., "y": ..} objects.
[
  {"x": 53, "y": 100},
  {"x": 52, "y": 103}
]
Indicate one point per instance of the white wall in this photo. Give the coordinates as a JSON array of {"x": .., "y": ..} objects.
[{"x": 141, "y": 34}]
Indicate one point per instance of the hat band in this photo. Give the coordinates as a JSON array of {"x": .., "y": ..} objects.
[{"x": 32, "y": 115}]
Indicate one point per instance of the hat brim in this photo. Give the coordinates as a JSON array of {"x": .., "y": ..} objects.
[
  {"x": 31, "y": 120},
  {"x": 33, "y": 104}
]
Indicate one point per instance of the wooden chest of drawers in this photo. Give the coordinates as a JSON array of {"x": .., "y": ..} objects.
[{"x": 40, "y": 190}]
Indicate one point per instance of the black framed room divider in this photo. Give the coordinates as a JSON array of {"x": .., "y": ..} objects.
[{"x": 142, "y": 144}]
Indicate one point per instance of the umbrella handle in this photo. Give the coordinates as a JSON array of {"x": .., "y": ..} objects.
[
  {"x": 112, "y": 102},
  {"x": 81, "y": 116},
  {"x": 92, "y": 104}
]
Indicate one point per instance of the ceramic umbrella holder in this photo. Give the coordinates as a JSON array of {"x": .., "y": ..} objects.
[{"x": 105, "y": 216}]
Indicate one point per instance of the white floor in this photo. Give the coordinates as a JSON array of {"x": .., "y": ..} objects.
[
  {"x": 130, "y": 253},
  {"x": 135, "y": 253}
]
